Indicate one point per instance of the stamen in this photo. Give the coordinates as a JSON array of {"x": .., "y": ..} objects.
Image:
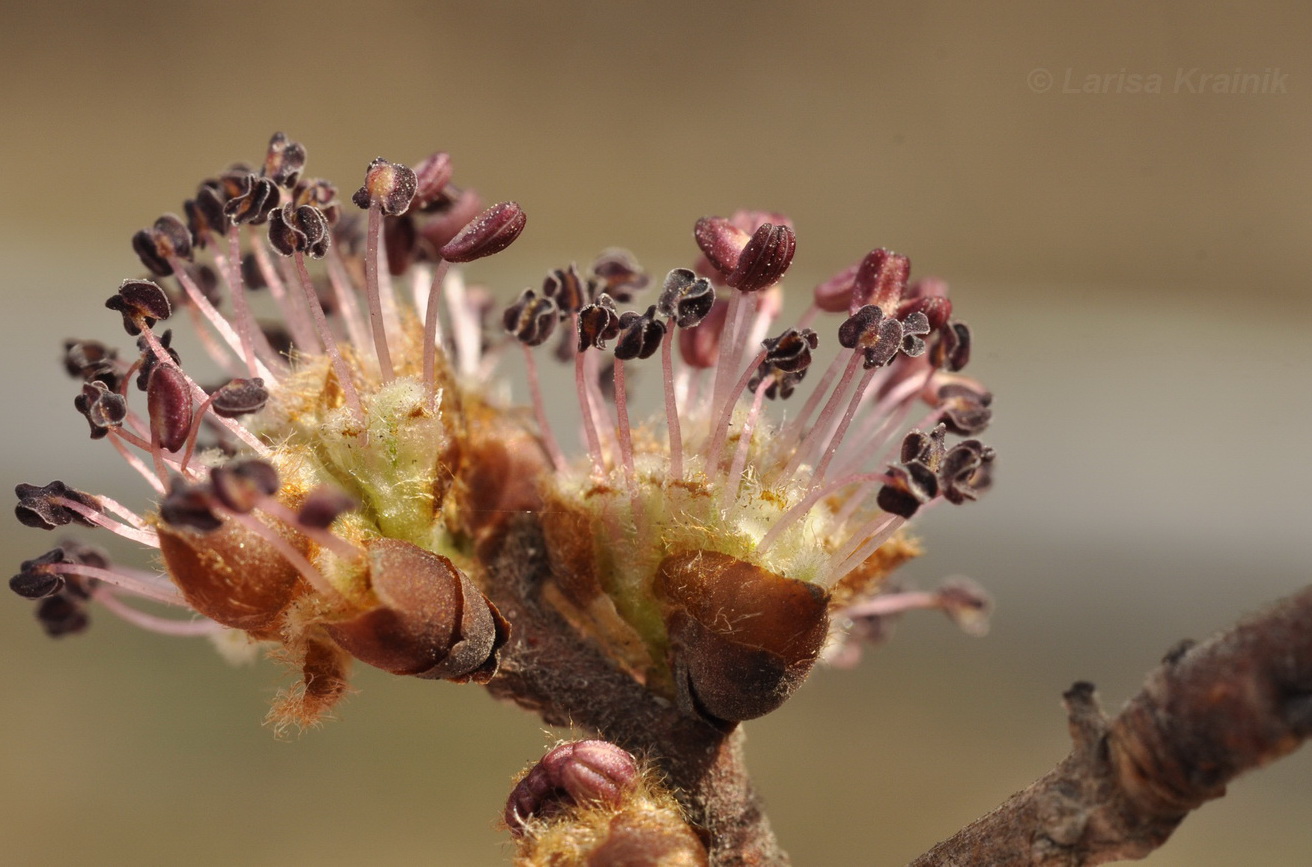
[
  {"x": 340, "y": 368},
  {"x": 464, "y": 325},
  {"x": 720, "y": 432},
  {"x": 294, "y": 316},
  {"x": 214, "y": 317},
  {"x": 122, "y": 511},
  {"x": 821, "y": 427},
  {"x": 867, "y": 540},
  {"x": 794, "y": 428},
  {"x": 339, "y": 546},
  {"x": 152, "y": 623},
  {"x": 734, "y": 480},
  {"x": 585, "y": 409},
  {"x": 724, "y": 370},
  {"x": 137, "y": 464},
  {"x": 136, "y": 582},
  {"x": 837, "y": 439},
  {"x": 371, "y": 262},
  {"x": 162, "y": 354},
  {"x": 805, "y": 505},
  {"x": 540, "y": 410},
  {"x": 625, "y": 434},
  {"x": 672, "y": 424},
  {"x": 348, "y": 311},
  {"x": 433, "y": 329},
  {"x": 100, "y": 519}
]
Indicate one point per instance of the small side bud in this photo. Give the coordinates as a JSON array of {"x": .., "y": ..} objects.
[{"x": 592, "y": 771}]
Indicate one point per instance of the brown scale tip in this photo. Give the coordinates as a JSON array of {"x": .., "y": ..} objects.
[
  {"x": 742, "y": 638},
  {"x": 429, "y": 621}
]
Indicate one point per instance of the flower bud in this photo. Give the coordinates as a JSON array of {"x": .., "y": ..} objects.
[
  {"x": 430, "y": 620},
  {"x": 742, "y": 638}
]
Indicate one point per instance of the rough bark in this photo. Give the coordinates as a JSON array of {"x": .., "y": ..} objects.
[{"x": 1208, "y": 713}]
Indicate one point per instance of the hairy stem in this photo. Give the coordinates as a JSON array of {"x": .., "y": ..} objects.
[{"x": 549, "y": 668}]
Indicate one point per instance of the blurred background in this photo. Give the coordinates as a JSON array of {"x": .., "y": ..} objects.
[{"x": 1130, "y": 247}]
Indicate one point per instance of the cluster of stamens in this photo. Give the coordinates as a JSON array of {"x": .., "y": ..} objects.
[{"x": 337, "y": 491}]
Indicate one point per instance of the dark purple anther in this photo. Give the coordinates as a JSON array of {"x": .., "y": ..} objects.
[
  {"x": 765, "y": 259},
  {"x": 37, "y": 507},
  {"x": 168, "y": 405},
  {"x": 142, "y": 303},
  {"x": 391, "y": 185},
  {"x": 490, "y": 232}
]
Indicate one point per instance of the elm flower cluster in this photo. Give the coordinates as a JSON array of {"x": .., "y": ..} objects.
[{"x": 340, "y": 492}]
